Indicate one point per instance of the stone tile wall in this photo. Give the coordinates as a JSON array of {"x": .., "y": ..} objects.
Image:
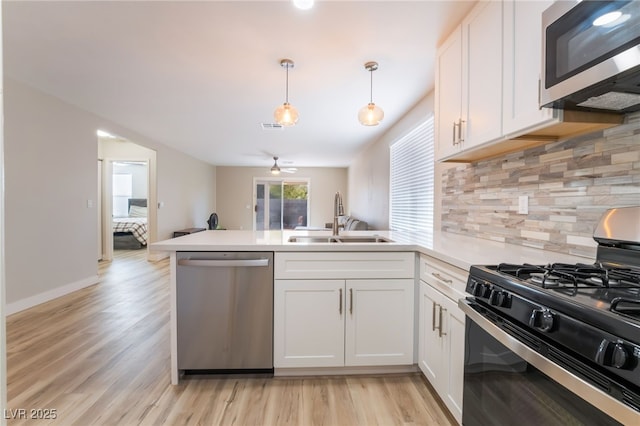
[{"x": 569, "y": 185}]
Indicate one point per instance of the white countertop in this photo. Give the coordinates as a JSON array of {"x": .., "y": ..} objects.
[{"x": 457, "y": 250}]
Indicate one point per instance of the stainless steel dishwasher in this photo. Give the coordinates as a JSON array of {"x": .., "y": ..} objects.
[{"x": 224, "y": 312}]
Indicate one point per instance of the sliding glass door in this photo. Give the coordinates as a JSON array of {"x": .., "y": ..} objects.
[{"x": 280, "y": 204}]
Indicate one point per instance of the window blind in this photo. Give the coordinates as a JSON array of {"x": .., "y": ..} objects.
[{"x": 411, "y": 180}]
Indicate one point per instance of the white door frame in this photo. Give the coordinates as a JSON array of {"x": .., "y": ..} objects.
[{"x": 107, "y": 208}]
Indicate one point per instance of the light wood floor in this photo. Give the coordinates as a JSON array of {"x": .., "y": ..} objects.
[{"x": 100, "y": 356}]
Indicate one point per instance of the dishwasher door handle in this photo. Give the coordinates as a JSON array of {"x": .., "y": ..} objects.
[{"x": 211, "y": 263}]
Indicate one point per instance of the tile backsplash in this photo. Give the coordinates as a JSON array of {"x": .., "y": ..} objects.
[{"x": 568, "y": 185}]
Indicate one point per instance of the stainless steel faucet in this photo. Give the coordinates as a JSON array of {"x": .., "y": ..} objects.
[{"x": 338, "y": 210}]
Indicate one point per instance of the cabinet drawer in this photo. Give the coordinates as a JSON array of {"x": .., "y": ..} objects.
[
  {"x": 447, "y": 278},
  {"x": 344, "y": 265}
]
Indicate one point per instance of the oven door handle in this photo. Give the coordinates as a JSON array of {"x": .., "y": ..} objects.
[{"x": 586, "y": 391}]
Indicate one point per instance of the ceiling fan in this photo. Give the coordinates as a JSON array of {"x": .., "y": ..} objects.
[{"x": 276, "y": 170}]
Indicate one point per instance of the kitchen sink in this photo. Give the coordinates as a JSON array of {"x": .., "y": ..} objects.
[{"x": 339, "y": 239}]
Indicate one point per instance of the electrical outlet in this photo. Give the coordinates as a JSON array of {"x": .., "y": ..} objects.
[{"x": 523, "y": 204}]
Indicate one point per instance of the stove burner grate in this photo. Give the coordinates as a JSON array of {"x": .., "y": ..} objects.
[
  {"x": 625, "y": 306},
  {"x": 573, "y": 276}
]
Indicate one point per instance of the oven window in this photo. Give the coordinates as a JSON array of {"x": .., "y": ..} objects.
[{"x": 500, "y": 388}]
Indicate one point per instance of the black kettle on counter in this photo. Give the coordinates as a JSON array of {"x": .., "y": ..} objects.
[{"x": 213, "y": 221}]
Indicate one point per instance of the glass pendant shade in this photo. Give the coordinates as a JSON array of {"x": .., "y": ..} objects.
[
  {"x": 370, "y": 115},
  {"x": 286, "y": 114}
]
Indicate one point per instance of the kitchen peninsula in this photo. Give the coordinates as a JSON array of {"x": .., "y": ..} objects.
[
  {"x": 361, "y": 307},
  {"x": 443, "y": 249}
]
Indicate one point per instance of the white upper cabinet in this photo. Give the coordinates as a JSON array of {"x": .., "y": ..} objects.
[
  {"x": 522, "y": 65},
  {"x": 468, "y": 102},
  {"x": 482, "y": 74},
  {"x": 448, "y": 104},
  {"x": 486, "y": 91}
]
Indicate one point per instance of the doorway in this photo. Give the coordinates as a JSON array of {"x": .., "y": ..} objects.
[
  {"x": 280, "y": 204},
  {"x": 128, "y": 218}
]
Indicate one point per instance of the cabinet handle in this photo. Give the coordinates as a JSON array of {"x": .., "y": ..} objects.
[
  {"x": 440, "y": 333},
  {"x": 351, "y": 301},
  {"x": 460, "y": 138},
  {"x": 453, "y": 139},
  {"x": 539, "y": 83},
  {"x": 441, "y": 278},
  {"x": 340, "y": 304},
  {"x": 433, "y": 317}
]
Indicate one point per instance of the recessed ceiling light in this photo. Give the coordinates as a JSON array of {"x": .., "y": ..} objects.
[
  {"x": 103, "y": 134},
  {"x": 303, "y": 4}
]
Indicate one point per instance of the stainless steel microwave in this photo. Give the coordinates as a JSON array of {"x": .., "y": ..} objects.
[{"x": 591, "y": 56}]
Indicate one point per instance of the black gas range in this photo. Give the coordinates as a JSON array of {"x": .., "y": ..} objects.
[{"x": 581, "y": 319}]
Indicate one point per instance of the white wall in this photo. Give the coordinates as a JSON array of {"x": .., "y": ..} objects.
[
  {"x": 235, "y": 193},
  {"x": 3, "y": 348},
  {"x": 369, "y": 172},
  {"x": 51, "y": 151}
]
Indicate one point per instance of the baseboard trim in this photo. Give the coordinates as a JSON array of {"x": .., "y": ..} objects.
[
  {"x": 30, "y": 302},
  {"x": 342, "y": 371}
]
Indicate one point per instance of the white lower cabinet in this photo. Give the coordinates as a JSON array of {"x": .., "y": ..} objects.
[
  {"x": 308, "y": 323},
  {"x": 441, "y": 327},
  {"x": 344, "y": 322}
]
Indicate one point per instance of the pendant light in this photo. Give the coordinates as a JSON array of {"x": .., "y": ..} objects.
[
  {"x": 371, "y": 114},
  {"x": 285, "y": 114},
  {"x": 275, "y": 170}
]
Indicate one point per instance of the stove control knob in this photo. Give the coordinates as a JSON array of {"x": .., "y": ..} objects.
[
  {"x": 504, "y": 299},
  {"x": 498, "y": 298},
  {"x": 487, "y": 291},
  {"x": 620, "y": 357},
  {"x": 612, "y": 354},
  {"x": 542, "y": 319},
  {"x": 479, "y": 289},
  {"x": 493, "y": 297}
]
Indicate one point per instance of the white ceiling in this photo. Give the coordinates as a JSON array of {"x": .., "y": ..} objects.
[{"x": 202, "y": 76}]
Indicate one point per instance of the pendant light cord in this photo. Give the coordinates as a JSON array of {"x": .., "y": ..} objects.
[
  {"x": 286, "y": 96},
  {"x": 371, "y": 87}
]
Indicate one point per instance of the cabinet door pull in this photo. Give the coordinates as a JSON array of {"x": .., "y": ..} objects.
[
  {"x": 441, "y": 278},
  {"x": 351, "y": 301},
  {"x": 433, "y": 317},
  {"x": 453, "y": 139},
  {"x": 440, "y": 332},
  {"x": 340, "y": 303},
  {"x": 460, "y": 138}
]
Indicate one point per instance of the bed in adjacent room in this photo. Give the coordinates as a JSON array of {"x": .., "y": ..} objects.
[{"x": 131, "y": 232}]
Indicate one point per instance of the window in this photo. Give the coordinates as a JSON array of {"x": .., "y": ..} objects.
[
  {"x": 122, "y": 190},
  {"x": 411, "y": 180}
]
